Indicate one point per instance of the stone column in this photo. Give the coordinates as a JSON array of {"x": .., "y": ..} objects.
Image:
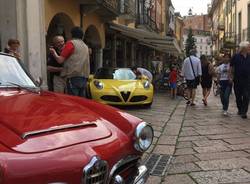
[
  {"x": 133, "y": 53},
  {"x": 125, "y": 64},
  {"x": 99, "y": 58},
  {"x": 113, "y": 54},
  {"x": 140, "y": 57},
  {"x": 31, "y": 32}
]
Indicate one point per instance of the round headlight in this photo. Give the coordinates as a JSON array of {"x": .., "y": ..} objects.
[
  {"x": 146, "y": 84},
  {"x": 98, "y": 84},
  {"x": 144, "y": 137}
]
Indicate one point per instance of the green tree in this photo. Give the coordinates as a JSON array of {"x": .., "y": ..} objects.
[{"x": 190, "y": 42}]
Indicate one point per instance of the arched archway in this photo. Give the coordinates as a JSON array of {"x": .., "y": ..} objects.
[
  {"x": 61, "y": 24},
  {"x": 93, "y": 40}
]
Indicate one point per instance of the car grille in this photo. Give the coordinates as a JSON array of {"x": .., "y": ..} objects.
[
  {"x": 138, "y": 98},
  {"x": 126, "y": 168},
  {"x": 111, "y": 98},
  {"x": 96, "y": 172},
  {"x": 125, "y": 95}
]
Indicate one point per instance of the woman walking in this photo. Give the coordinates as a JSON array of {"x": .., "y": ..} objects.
[
  {"x": 225, "y": 83},
  {"x": 206, "y": 78}
]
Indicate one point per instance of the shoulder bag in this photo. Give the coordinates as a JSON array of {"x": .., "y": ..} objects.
[{"x": 196, "y": 78}]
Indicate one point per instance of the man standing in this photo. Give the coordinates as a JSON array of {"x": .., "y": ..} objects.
[
  {"x": 191, "y": 70},
  {"x": 240, "y": 74},
  {"x": 76, "y": 68},
  {"x": 56, "y": 83}
]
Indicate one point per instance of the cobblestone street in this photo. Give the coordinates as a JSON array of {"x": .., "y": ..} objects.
[{"x": 206, "y": 147}]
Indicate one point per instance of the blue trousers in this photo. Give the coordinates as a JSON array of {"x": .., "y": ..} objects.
[
  {"x": 76, "y": 86},
  {"x": 226, "y": 89}
]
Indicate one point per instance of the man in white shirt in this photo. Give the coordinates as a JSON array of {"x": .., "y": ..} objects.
[{"x": 190, "y": 70}]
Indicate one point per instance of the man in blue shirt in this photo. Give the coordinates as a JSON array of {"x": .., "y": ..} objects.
[{"x": 240, "y": 70}]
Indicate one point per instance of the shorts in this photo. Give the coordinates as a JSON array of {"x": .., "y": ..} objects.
[
  {"x": 173, "y": 85},
  {"x": 191, "y": 84}
]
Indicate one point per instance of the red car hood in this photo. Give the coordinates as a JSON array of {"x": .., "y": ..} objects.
[{"x": 35, "y": 123}]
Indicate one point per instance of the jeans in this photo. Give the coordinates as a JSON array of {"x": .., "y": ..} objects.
[
  {"x": 76, "y": 86},
  {"x": 226, "y": 89},
  {"x": 242, "y": 93}
]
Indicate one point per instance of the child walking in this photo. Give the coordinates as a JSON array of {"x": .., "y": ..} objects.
[{"x": 173, "y": 81}]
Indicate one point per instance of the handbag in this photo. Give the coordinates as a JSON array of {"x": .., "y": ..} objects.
[{"x": 196, "y": 78}]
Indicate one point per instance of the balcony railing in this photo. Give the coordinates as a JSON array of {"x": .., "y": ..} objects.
[
  {"x": 107, "y": 9},
  {"x": 230, "y": 40},
  {"x": 112, "y": 5},
  {"x": 128, "y": 10},
  {"x": 146, "y": 19}
]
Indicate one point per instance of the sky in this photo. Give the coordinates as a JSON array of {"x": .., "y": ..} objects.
[{"x": 198, "y": 6}]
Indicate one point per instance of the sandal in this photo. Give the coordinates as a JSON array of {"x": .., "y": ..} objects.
[{"x": 204, "y": 102}]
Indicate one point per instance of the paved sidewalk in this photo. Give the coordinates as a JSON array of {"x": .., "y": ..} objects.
[{"x": 207, "y": 148}]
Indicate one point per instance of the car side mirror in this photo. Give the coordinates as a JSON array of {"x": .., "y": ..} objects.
[
  {"x": 91, "y": 77},
  {"x": 39, "y": 81}
]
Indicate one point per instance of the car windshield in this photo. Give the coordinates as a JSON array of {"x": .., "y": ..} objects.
[
  {"x": 13, "y": 74},
  {"x": 116, "y": 74}
]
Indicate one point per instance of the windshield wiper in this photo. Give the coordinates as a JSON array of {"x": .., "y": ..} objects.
[{"x": 30, "y": 89}]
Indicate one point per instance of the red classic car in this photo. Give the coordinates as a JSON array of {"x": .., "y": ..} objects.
[{"x": 49, "y": 138}]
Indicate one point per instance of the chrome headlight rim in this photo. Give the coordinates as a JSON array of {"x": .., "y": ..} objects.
[
  {"x": 139, "y": 142},
  {"x": 98, "y": 84}
]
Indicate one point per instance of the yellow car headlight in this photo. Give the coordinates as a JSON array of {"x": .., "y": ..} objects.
[
  {"x": 98, "y": 84},
  {"x": 146, "y": 84},
  {"x": 144, "y": 135}
]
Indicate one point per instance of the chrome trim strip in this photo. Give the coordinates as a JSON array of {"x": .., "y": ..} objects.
[
  {"x": 142, "y": 176},
  {"x": 56, "y": 128}
]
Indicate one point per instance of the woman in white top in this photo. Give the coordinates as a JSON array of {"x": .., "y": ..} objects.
[{"x": 225, "y": 83}]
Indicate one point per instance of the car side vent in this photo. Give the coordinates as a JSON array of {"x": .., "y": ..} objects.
[{"x": 96, "y": 172}]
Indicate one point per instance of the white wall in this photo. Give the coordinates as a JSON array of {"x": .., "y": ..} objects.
[{"x": 202, "y": 45}]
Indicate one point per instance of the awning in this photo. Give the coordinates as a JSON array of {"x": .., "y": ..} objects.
[{"x": 164, "y": 44}]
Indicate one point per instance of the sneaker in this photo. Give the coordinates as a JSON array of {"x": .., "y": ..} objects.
[
  {"x": 244, "y": 116},
  {"x": 192, "y": 104},
  {"x": 225, "y": 113},
  {"x": 188, "y": 102}
]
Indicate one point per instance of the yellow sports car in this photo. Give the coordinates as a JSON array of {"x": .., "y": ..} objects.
[{"x": 120, "y": 86}]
